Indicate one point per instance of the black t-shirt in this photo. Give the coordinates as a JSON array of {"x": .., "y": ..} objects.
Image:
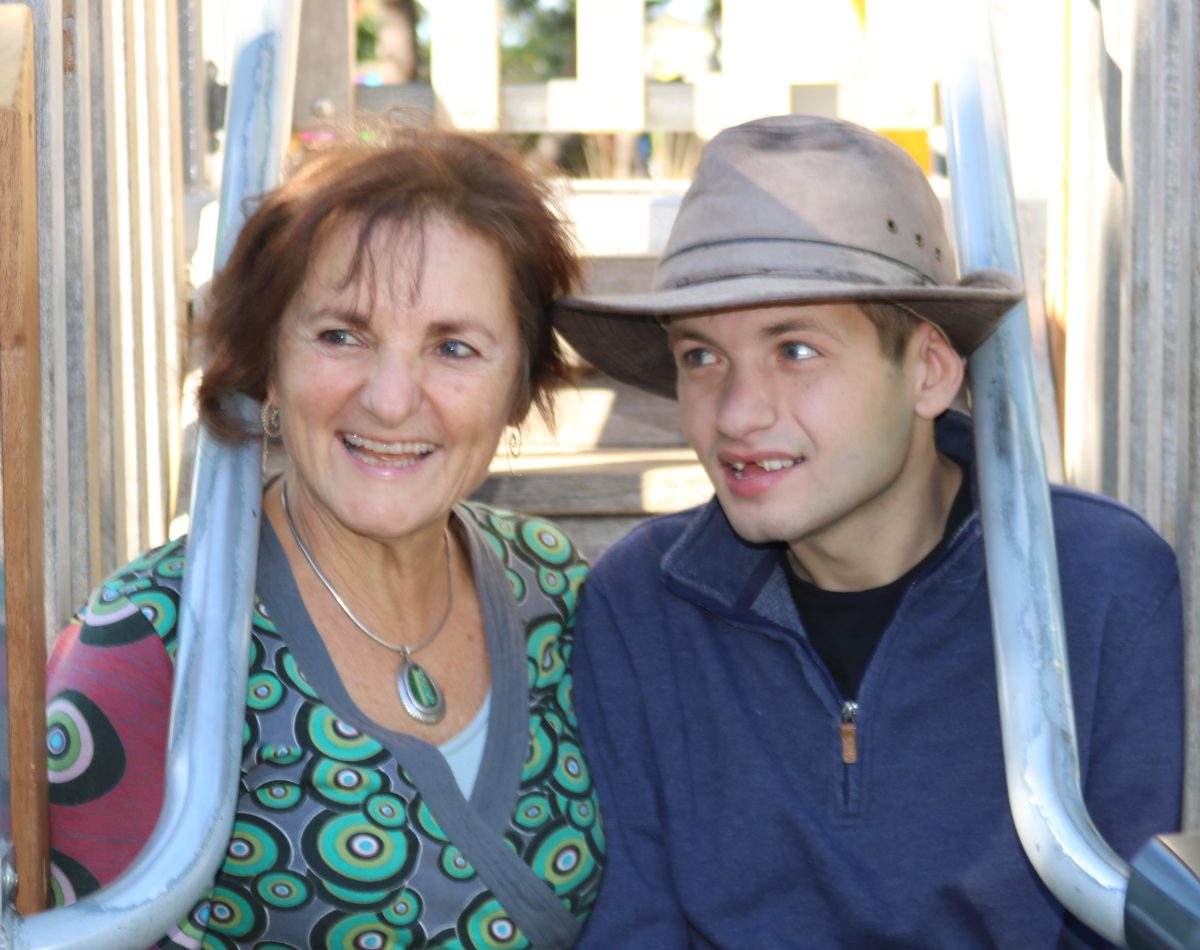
[{"x": 844, "y": 627}]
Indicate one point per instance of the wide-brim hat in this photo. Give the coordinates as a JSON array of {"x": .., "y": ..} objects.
[{"x": 786, "y": 210}]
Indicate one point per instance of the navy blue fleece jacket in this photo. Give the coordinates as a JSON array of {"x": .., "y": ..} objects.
[{"x": 712, "y": 729}]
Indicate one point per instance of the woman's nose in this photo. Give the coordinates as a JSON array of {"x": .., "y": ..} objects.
[{"x": 393, "y": 388}]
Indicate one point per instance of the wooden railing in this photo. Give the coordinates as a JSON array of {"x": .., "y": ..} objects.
[{"x": 23, "y": 635}]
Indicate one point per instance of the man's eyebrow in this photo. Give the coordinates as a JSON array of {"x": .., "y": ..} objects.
[{"x": 800, "y": 324}]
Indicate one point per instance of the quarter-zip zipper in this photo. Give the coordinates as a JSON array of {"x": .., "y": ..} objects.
[{"x": 849, "y": 731}]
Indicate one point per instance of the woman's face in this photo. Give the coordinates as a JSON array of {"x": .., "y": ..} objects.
[{"x": 393, "y": 391}]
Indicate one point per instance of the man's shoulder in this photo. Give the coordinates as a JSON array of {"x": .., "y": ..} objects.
[
  {"x": 1100, "y": 532},
  {"x": 643, "y": 547}
]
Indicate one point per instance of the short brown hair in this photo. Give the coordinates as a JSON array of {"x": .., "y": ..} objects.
[
  {"x": 385, "y": 174},
  {"x": 893, "y": 323}
]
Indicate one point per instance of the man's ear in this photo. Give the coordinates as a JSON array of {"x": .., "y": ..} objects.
[{"x": 939, "y": 371}]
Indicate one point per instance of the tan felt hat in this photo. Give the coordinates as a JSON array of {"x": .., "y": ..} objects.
[{"x": 784, "y": 210}]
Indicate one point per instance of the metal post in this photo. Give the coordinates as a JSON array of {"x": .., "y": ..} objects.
[
  {"x": 204, "y": 753},
  {"x": 1040, "y": 753}
]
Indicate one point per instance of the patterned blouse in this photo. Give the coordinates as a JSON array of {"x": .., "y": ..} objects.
[{"x": 347, "y": 835}]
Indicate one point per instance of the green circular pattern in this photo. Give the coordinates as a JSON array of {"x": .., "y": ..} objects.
[
  {"x": 280, "y": 754},
  {"x": 533, "y": 811},
  {"x": 455, "y": 865},
  {"x": 423, "y": 818},
  {"x": 263, "y": 691},
  {"x": 262, "y": 620},
  {"x": 291, "y": 672},
  {"x": 503, "y": 524},
  {"x": 552, "y": 582},
  {"x": 170, "y": 566},
  {"x": 485, "y": 926},
  {"x": 279, "y": 795},
  {"x": 582, "y": 812},
  {"x": 387, "y": 811},
  {"x": 283, "y": 889},
  {"x": 359, "y": 932},
  {"x": 518, "y": 584},
  {"x": 158, "y": 607},
  {"x": 562, "y": 859},
  {"x": 546, "y": 542},
  {"x": 497, "y": 547},
  {"x": 232, "y": 912},
  {"x": 543, "y": 649},
  {"x": 352, "y": 852},
  {"x": 254, "y": 847},
  {"x": 540, "y": 756},
  {"x": 570, "y": 774},
  {"x": 405, "y": 910},
  {"x": 339, "y": 740},
  {"x": 343, "y": 784}
]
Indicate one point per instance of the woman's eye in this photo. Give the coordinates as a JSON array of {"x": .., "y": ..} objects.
[
  {"x": 798, "y": 351},
  {"x": 337, "y": 337},
  {"x": 697, "y": 357},
  {"x": 457, "y": 349}
]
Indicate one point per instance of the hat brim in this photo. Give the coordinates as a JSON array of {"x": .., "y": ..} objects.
[{"x": 622, "y": 334}]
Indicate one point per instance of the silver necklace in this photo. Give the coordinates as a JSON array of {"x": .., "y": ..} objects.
[{"x": 420, "y": 694}]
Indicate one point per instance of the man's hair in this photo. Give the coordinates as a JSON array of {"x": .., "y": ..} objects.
[{"x": 894, "y": 324}]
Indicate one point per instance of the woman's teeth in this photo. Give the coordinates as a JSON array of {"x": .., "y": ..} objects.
[{"x": 393, "y": 451}]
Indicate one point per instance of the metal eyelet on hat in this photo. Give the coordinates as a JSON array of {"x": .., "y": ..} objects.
[
  {"x": 891, "y": 225},
  {"x": 937, "y": 253},
  {"x": 920, "y": 240}
]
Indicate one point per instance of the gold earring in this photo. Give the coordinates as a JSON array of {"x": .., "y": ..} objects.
[{"x": 271, "y": 423}]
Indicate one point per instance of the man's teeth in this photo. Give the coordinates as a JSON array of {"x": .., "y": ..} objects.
[
  {"x": 767, "y": 465},
  {"x": 387, "y": 448}
]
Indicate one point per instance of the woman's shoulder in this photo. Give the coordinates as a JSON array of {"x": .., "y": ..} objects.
[
  {"x": 534, "y": 538},
  {"x": 145, "y": 589}
]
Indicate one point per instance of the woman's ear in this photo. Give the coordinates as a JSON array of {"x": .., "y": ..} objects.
[{"x": 940, "y": 371}]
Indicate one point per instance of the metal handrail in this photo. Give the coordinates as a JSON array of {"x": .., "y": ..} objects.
[
  {"x": 1041, "y": 758},
  {"x": 180, "y": 860}
]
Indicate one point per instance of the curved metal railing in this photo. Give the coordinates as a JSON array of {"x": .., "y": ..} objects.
[
  {"x": 207, "y": 712},
  {"x": 1041, "y": 758}
]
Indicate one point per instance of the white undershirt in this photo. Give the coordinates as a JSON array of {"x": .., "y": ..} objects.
[{"x": 464, "y": 752}]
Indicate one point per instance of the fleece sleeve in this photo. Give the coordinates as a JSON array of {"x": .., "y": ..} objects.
[
  {"x": 637, "y": 905},
  {"x": 1133, "y": 765},
  {"x": 108, "y": 704}
]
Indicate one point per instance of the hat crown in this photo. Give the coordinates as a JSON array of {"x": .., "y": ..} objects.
[{"x": 805, "y": 195}]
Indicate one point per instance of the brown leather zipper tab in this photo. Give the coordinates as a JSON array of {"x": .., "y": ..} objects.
[{"x": 849, "y": 743}]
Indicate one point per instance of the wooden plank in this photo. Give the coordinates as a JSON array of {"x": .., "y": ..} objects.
[
  {"x": 20, "y": 415},
  {"x": 80, "y": 508},
  {"x": 325, "y": 86},
  {"x": 599, "y": 482},
  {"x": 464, "y": 62},
  {"x": 609, "y": 91}
]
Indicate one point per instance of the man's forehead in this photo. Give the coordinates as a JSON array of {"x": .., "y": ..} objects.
[{"x": 772, "y": 320}]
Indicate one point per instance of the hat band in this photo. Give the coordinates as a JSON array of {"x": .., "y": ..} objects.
[{"x": 783, "y": 257}]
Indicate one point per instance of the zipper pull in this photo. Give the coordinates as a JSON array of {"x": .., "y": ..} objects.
[{"x": 849, "y": 732}]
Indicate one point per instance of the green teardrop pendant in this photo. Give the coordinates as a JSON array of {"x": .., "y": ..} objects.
[{"x": 419, "y": 693}]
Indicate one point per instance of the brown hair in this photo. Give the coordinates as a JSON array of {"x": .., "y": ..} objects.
[
  {"x": 381, "y": 176},
  {"x": 893, "y": 323}
]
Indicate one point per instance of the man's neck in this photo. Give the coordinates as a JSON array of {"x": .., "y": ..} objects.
[{"x": 888, "y": 538}]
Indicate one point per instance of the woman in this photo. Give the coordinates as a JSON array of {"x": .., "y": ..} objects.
[{"x": 411, "y": 771}]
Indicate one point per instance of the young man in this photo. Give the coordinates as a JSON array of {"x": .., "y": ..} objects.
[{"x": 788, "y": 695}]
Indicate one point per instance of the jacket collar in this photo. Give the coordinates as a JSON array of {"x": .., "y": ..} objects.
[{"x": 711, "y": 565}]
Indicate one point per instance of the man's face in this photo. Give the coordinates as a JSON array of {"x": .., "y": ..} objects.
[{"x": 806, "y": 429}]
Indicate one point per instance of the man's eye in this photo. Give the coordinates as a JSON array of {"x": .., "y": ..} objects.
[
  {"x": 457, "y": 349},
  {"x": 798, "y": 351},
  {"x": 697, "y": 357}
]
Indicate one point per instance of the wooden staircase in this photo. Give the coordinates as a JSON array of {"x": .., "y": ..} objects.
[{"x": 614, "y": 458}]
